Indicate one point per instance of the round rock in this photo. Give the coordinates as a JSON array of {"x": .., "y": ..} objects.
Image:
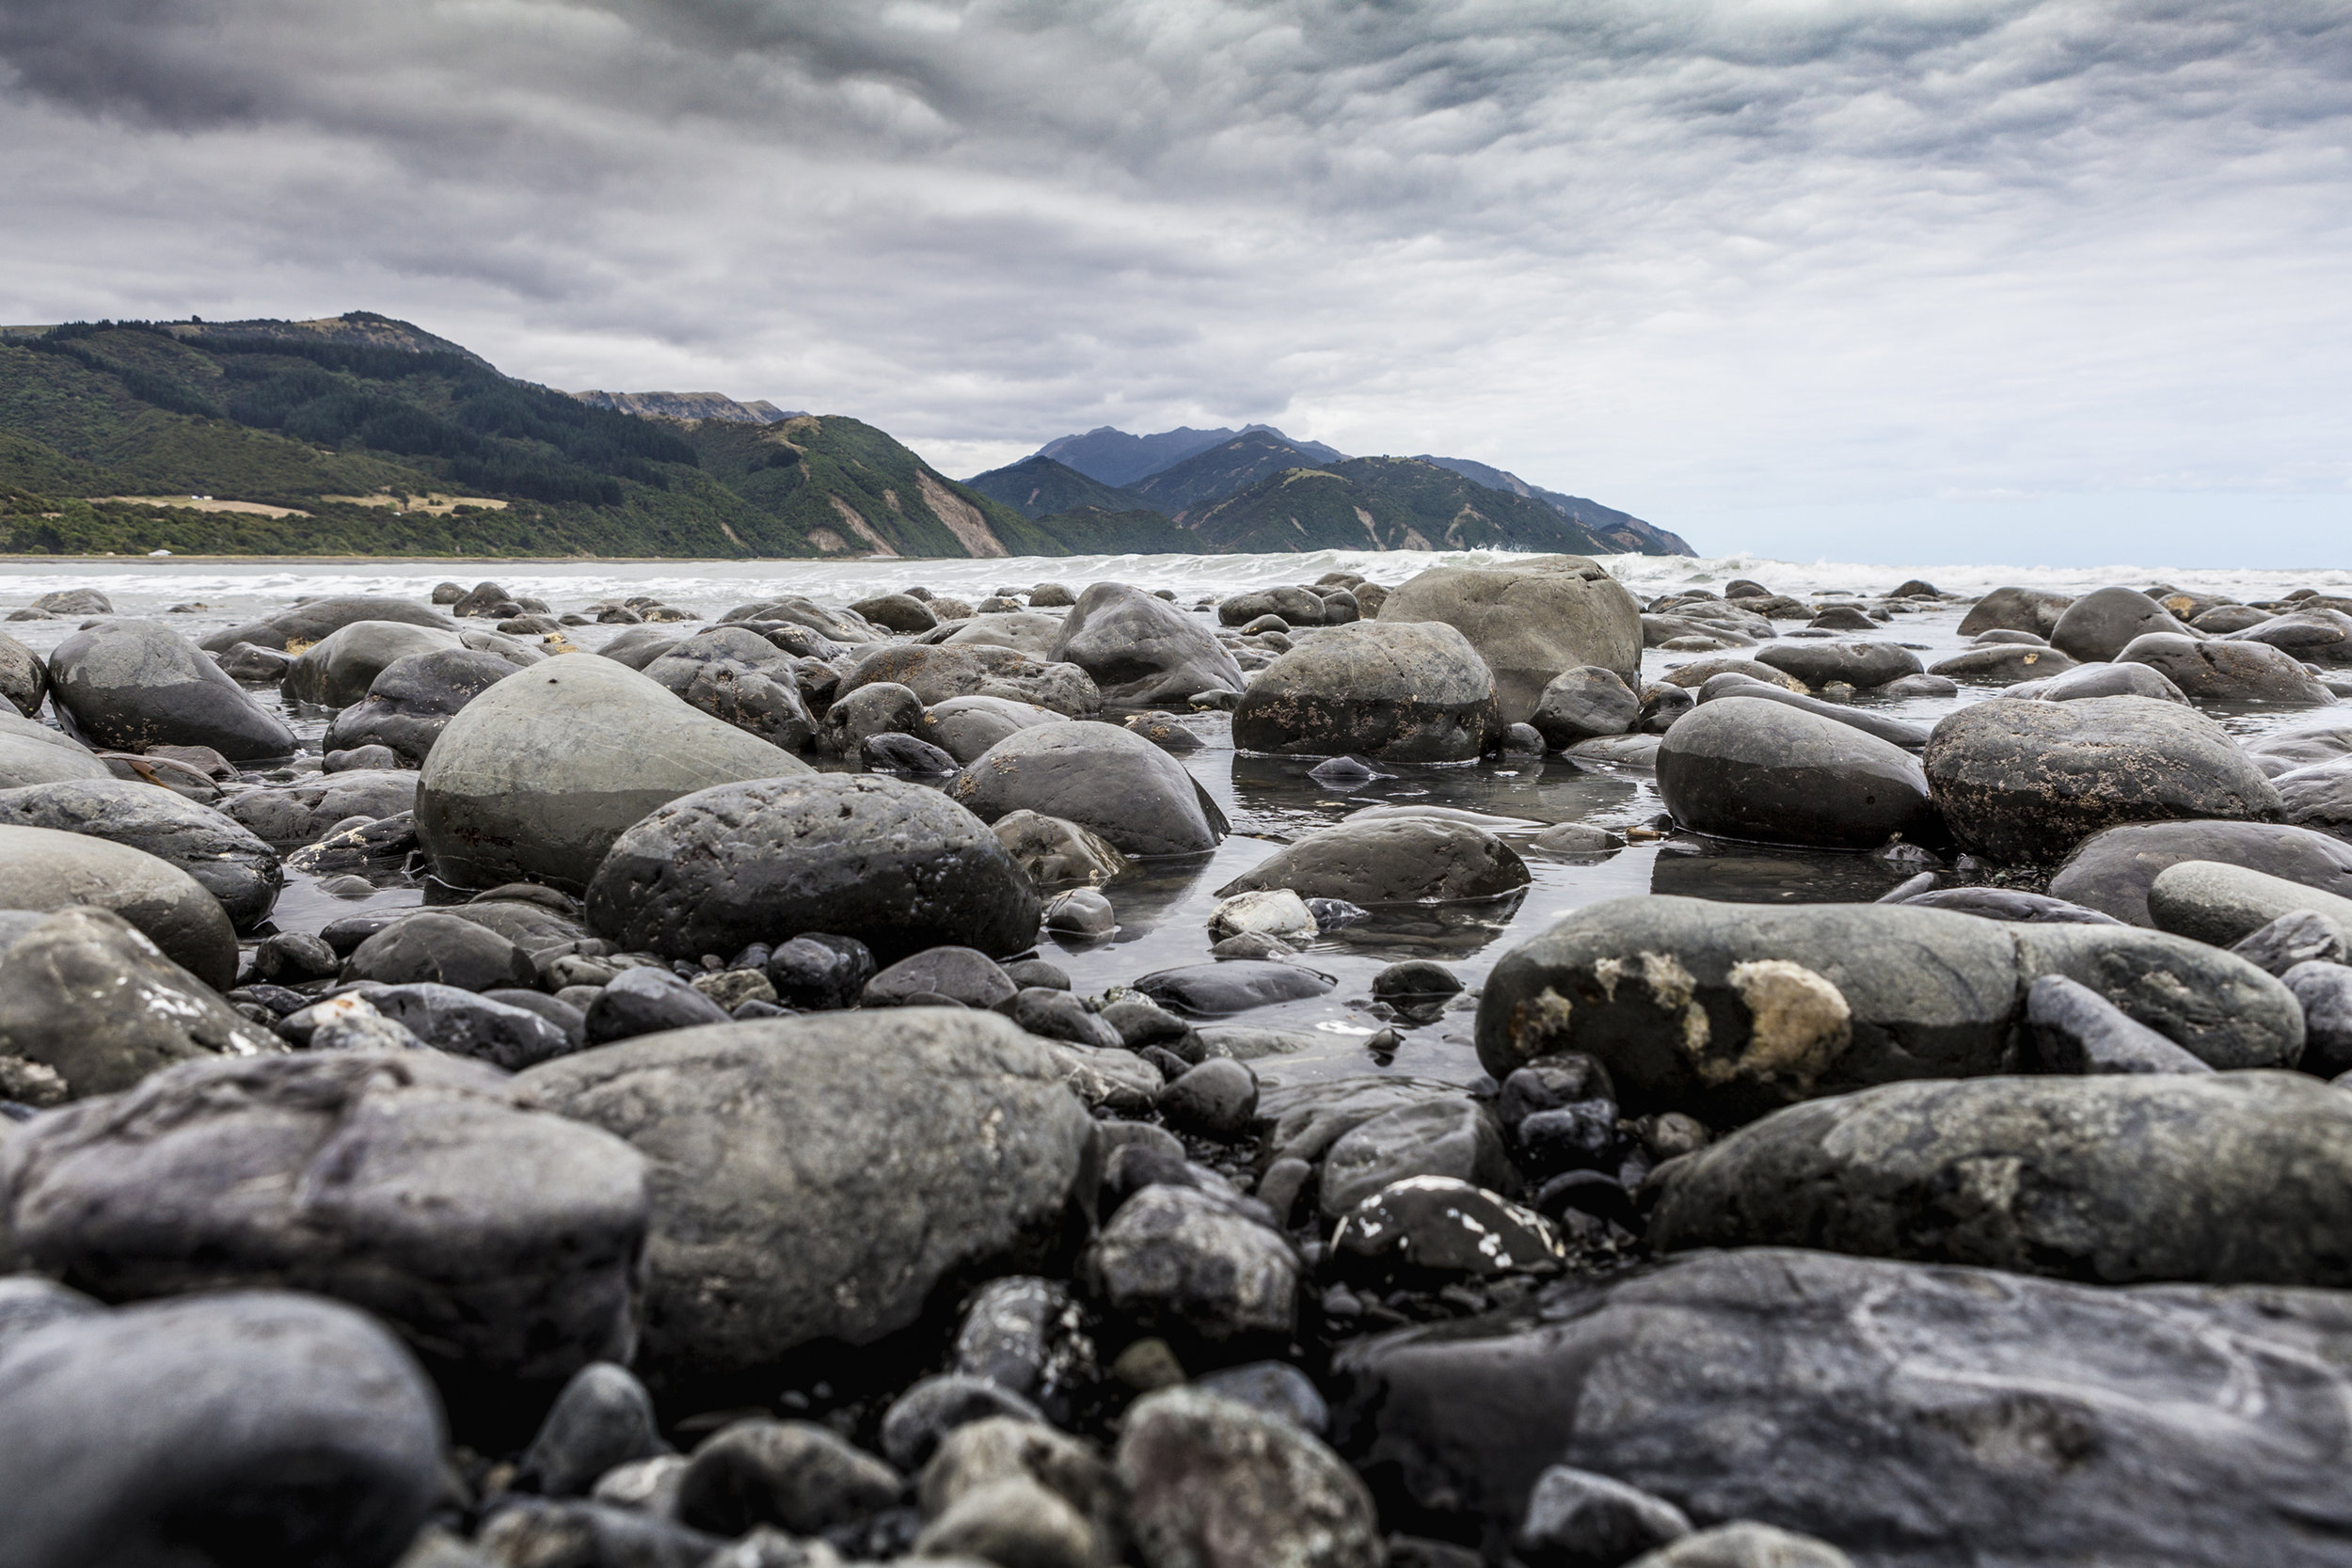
[
  {"x": 1408, "y": 691},
  {"x": 44, "y": 869},
  {"x": 129, "y": 685},
  {"x": 1102, "y": 778},
  {"x": 238, "y": 869},
  {"x": 1755, "y": 769}
]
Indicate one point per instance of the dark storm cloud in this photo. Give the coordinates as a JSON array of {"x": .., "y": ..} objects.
[{"x": 1670, "y": 252}]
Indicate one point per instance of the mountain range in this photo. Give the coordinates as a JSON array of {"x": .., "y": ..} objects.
[{"x": 361, "y": 434}]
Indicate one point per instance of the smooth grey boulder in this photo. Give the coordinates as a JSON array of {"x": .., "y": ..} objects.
[
  {"x": 1401, "y": 859},
  {"x": 74, "y": 601},
  {"x": 1582, "y": 704},
  {"x": 816, "y": 1178},
  {"x": 2072, "y": 1029},
  {"x": 1744, "y": 1544},
  {"x": 2224, "y": 1178},
  {"x": 1023, "y": 632},
  {"x": 1140, "y": 650},
  {"x": 289, "y": 631},
  {"x": 1529, "y": 620},
  {"x": 2103, "y": 680},
  {"x": 412, "y": 700},
  {"x": 2027, "y": 781},
  {"x": 966, "y": 727},
  {"x": 1998, "y": 903},
  {"x": 1215, "y": 1483},
  {"x": 741, "y": 679},
  {"x": 839, "y": 625},
  {"x": 2222, "y": 904},
  {"x": 44, "y": 869},
  {"x": 24, "y": 678},
  {"x": 1819, "y": 661},
  {"x": 1727, "y": 1011},
  {"x": 2016, "y": 609},
  {"x": 2318, "y": 797},
  {"x": 1896, "y": 731},
  {"x": 33, "y": 753},
  {"x": 1445, "y": 1137},
  {"x": 1103, "y": 778},
  {"x": 1231, "y": 986},
  {"x": 1404, "y": 691},
  {"x": 1749, "y": 768},
  {"x": 129, "y": 685},
  {"x": 896, "y": 865},
  {"x": 1299, "y": 606},
  {"x": 899, "y": 613},
  {"x": 2321, "y": 636},
  {"x": 2101, "y": 624},
  {"x": 85, "y": 994},
  {"x": 343, "y": 669},
  {"x": 2005, "y": 1418},
  {"x": 238, "y": 870},
  {"x": 2112, "y": 871},
  {"x": 936, "y": 673},
  {"x": 2002, "y": 664},
  {"x": 646, "y": 1001},
  {"x": 234, "y": 1429},
  {"x": 1058, "y": 853},
  {"x": 303, "y": 812},
  {"x": 465, "y": 1024},
  {"x": 535, "y": 778},
  {"x": 2218, "y": 670},
  {"x": 1187, "y": 1264},
  {"x": 436, "y": 948},
  {"x": 502, "y": 1242}
]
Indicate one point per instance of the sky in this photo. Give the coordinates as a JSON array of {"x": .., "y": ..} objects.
[{"x": 2043, "y": 281}]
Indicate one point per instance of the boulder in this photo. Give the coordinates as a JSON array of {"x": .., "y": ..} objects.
[
  {"x": 2101, "y": 624},
  {"x": 1443, "y": 1137},
  {"x": 816, "y": 1179},
  {"x": 248, "y": 1426},
  {"x": 2002, "y": 1417},
  {"x": 33, "y": 753},
  {"x": 534, "y": 779},
  {"x": 412, "y": 700},
  {"x": 1231, "y": 986},
  {"x": 240, "y": 871},
  {"x": 301, "y": 812},
  {"x": 2328, "y": 740},
  {"x": 1895, "y": 732},
  {"x": 2103, "y": 680},
  {"x": 1582, "y": 704},
  {"x": 2016, "y": 609},
  {"x": 2218, "y": 1007},
  {"x": 2002, "y": 664},
  {"x": 389, "y": 1180},
  {"x": 432, "y": 946},
  {"x": 129, "y": 685},
  {"x": 85, "y": 994},
  {"x": 1021, "y": 631},
  {"x": 2021, "y": 781},
  {"x": 1299, "y": 606},
  {"x": 1819, "y": 661},
  {"x": 901, "y": 612},
  {"x": 1105, "y": 779},
  {"x": 936, "y": 673},
  {"x": 74, "y": 601},
  {"x": 1140, "y": 650},
  {"x": 2320, "y": 636},
  {"x": 340, "y": 671},
  {"x": 1215, "y": 1483},
  {"x": 1435, "y": 1230},
  {"x": 2112, "y": 871},
  {"x": 1400, "y": 860},
  {"x": 1749, "y": 768},
  {"x": 1058, "y": 853},
  {"x": 740, "y": 678},
  {"x": 838, "y": 625},
  {"x": 2220, "y": 671},
  {"x": 2072, "y": 1029},
  {"x": 2318, "y": 797},
  {"x": 293, "y": 630},
  {"x": 896, "y": 865},
  {"x": 1529, "y": 620},
  {"x": 24, "y": 678},
  {"x": 1405, "y": 691},
  {"x": 966, "y": 727},
  {"x": 1699, "y": 673},
  {"x": 1183, "y": 1262},
  {"x": 2209, "y": 901},
  {"x": 44, "y": 869},
  {"x": 2224, "y": 1178}
]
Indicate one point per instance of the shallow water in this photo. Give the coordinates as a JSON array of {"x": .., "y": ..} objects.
[{"x": 1162, "y": 910}]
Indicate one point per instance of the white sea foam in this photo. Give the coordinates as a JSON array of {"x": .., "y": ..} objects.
[{"x": 146, "y": 586}]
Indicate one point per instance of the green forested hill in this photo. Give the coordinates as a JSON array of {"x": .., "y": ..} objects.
[
  {"x": 372, "y": 437},
  {"x": 1386, "y": 503},
  {"x": 1039, "y": 486}
]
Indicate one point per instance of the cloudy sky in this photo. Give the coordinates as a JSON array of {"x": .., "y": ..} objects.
[{"x": 1944, "y": 280}]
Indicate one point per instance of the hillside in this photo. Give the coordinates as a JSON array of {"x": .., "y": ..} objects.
[
  {"x": 689, "y": 405},
  {"x": 1223, "y": 471},
  {"x": 366, "y": 436},
  {"x": 1388, "y": 504},
  {"x": 1115, "y": 457},
  {"x": 1039, "y": 486},
  {"x": 1624, "y": 531}
]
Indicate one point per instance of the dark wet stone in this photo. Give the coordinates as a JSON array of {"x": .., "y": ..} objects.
[
  {"x": 2299, "y": 936},
  {"x": 896, "y": 865},
  {"x": 2015, "y": 608},
  {"x": 1577, "y": 1519},
  {"x": 603, "y": 1418},
  {"x": 129, "y": 685},
  {"x": 920, "y": 1419},
  {"x": 1009, "y": 1332},
  {"x": 342, "y": 669},
  {"x": 1894, "y": 731},
  {"x": 1426, "y": 1229},
  {"x": 465, "y": 1024},
  {"x": 1859, "y": 664},
  {"x": 770, "y": 1231},
  {"x": 1183, "y": 1261},
  {"x": 959, "y": 974},
  {"x": 240, "y": 1428},
  {"x": 2324, "y": 991},
  {"x": 1298, "y": 607},
  {"x": 1993, "y": 903},
  {"x": 292, "y": 814},
  {"x": 899, "y": 613},
  {"x": 314, "y": 622},
  {"x": 24, "y": 678},
  {"x": 2321, "y": 636},
  {"x": 819, "y": 971},
  {"x": 1580, "y": 703},
  {"x": 2072, "y": 1029},
  {"x": 966, "y": 727},
  {"x": 44, "y": 869},
  {"x": 74, "y": 601},
  {"x": 32, "y": 754},
  {"x": 441, "y": 948},
  {"x": 2101, "y": 624},
  {"x": 1140, "y": 650},
  {"x": 1101, "y": 777},
  {"x": 795, "y": 1475},
  {"x": 2112, "y": 871},
  {"x": 1217, "y": 1099},
  {"x": 905, "y": 753},
  {"x": 740, "y": 678},
  {"x": 647, "y": 1002},
  {"x": 2104, "y": 680},
  {"x": 1740, "y": 767},
  {"x": 1404, "y": 691},
  {"x": 2026, "y": 781},
  {"x": 2002, "y": 664},
  {"x": 2220, "y": 671},
  {"x": 2318, "y": 797},
  {"x": 1221, "y": 989},
  {"x": 1405, "y": 860},
  {"x": 1218, "y": 1484}
]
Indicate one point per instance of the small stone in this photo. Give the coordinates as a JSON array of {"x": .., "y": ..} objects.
[
  {"x": 601, "y": 1420},
  {"x": 795, "y": 1475},
  {"x": 819, "y": 972},
  {"x": 1577, "y": 1519},
  {"x": 920, "y": 1419},
  {"x": 1276, "y": 1387},
  {"x": 1216, "y": 1099},
  {"x": 1147, "y": 1365},
  {"x": 1430, "y": 1225},
  {"x": 1217, "y": 1484},
  {"x": 1081, "y": 911},
  {"x": 647, "y": 1001},
  {"x": 2299, "y": 936},
  {"x": 1276, "y": 912}
]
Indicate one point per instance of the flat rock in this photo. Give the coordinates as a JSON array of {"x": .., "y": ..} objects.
[
  {"x": 238, "y": 869},
  {"x": 535, "y": 778},
  {"x": 2112, "y": 871},
  {"x": 1861, "y": 664},
  {"x": 1405, "y": 860}
]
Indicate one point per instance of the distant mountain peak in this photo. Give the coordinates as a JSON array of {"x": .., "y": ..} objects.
[
  {"x": 1116, "y": 457},
  {"x": 689, "y": 405}
]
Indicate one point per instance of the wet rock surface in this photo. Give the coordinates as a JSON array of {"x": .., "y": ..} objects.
[{"x": 1356, "y": 1144}]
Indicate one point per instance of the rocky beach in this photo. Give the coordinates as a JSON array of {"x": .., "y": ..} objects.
[{"x": 1315, "y": 1062}]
